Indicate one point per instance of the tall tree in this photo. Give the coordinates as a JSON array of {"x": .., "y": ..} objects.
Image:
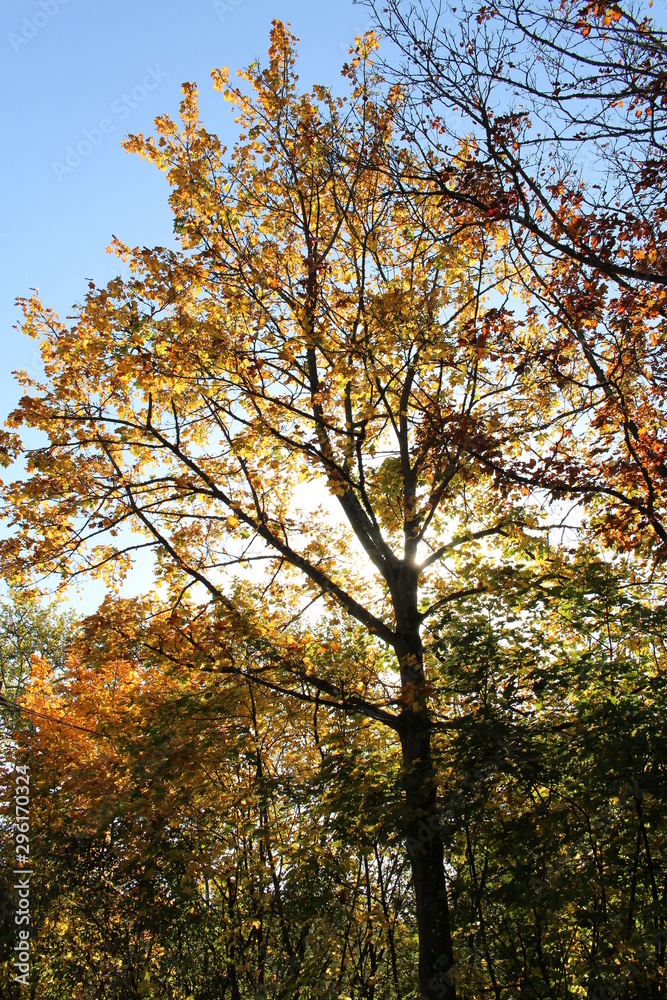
[{"x": 307, "y": 331}]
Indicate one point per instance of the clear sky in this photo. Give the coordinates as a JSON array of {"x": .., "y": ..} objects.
[{"x": 82, "y": 74}]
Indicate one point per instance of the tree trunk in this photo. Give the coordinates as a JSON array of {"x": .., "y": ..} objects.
[
  {"x": 424, "y": 834},
  {"x": 425, "y": 849}
]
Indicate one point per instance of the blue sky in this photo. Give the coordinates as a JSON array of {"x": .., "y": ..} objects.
[{"x": 81, "y": 75}]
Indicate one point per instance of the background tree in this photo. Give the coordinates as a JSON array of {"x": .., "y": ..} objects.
[
  {"x": 28, "y": 630},
  {"x": 562, "y": 108},
  {"x": 213, "y": 857},
  {"x": 555, "y": 795},
  {"x": 30, "y": 634}
]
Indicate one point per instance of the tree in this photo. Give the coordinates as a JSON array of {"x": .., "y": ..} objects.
[
  {"x": 320, "y": 325},
  {"x": 563, "y": 108},
  {"x": 558, "y": 887},
  {"x": 205, "y": 858},
  {"x": 298, "y": 335},
  {"x": 28, "y": 630},
  {"x": 31, "y": 636}
]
